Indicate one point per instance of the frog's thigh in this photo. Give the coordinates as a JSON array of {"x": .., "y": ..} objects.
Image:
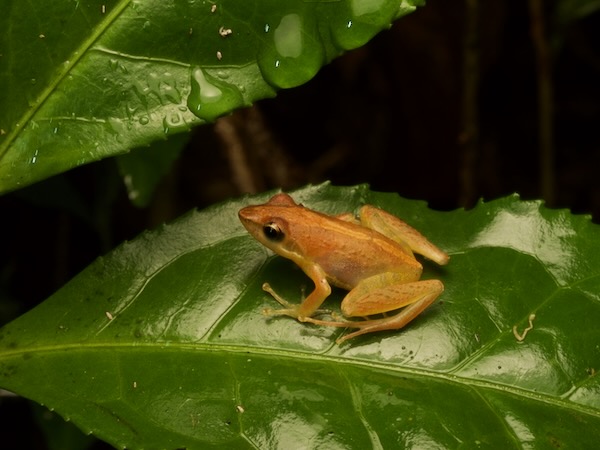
[
  {"x": 365, "y": 301},
  {"x": 401, "y": 232}
]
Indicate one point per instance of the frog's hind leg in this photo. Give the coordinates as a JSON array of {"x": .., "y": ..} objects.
[
  {"x": 396, "y": 321},
  {"x": 413, "y": 297},
  {"x": 401, "y": 232}
]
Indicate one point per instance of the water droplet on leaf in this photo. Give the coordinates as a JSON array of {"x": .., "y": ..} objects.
[
  {"x": 361, "y": 21},
  {"x": 292, "y": 57},
  {"x": 210, "y": 97}
]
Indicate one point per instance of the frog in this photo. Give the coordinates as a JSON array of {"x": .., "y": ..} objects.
[{"x": 371, "y": 255}]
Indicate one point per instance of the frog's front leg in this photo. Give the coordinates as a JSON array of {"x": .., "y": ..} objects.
[
  {"x": 310, "y": 305},
  {"x": 372, "y": 298}
]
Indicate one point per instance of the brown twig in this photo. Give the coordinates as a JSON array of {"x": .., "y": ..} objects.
[
  {"x": 545, "y": 101},
  {"x": 469, "y": 136}
]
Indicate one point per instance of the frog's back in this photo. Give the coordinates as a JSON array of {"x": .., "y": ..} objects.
[{"x": 349, "y": 253}]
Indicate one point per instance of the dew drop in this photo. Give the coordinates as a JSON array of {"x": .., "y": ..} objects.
[
  {"x": 172, "y": 121},
  {"x": 144, "y": 120},
  {"x": 210, "y": 97},
  {"x": 363, "y": 7},
  {"x": 288, "y": 36},
  {"x": 360, "y": 21},
  {"x": 209, "y": 93},
  {"x": 289, "y": 59},
  {"x": 175, "y": 119},
  {"x": 117, "y": 128}
]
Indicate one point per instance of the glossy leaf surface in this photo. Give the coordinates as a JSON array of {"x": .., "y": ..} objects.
[
  {"x": 162, "y": 344},
  {"x": 84, "y": 80}
]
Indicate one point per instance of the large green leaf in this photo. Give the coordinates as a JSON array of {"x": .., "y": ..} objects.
[
  {"x": 84, "y": 80},
  {"x": 162, "y": 344}
]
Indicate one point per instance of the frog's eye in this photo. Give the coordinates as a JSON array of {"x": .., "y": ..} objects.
[{"x": 273, "y": 232}]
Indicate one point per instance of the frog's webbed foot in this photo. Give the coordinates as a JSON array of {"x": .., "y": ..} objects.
[
  {"x": 290, "y": 309},
  {"x": 288, "y": 306},
  {"x": 337, "y": 321},
  {"x": 364, "y": 326}
]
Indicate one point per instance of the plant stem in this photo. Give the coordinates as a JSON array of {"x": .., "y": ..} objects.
[
  {"x": 469, "y": 136},
  {"x": 545, "y": 101}
]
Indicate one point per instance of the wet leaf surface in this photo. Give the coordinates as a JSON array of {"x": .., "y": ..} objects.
[
  {"x": 162, "y": 344},
  {"x": 85, "y": 80}
]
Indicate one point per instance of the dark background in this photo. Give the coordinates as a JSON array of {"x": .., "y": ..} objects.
[{"x": 407, "y": 113}]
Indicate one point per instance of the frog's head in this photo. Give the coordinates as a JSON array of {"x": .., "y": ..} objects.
[{"x": 269, "y": 223}]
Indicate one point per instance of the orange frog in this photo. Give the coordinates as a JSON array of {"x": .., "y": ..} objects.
[{"x": 371, "y": 256}]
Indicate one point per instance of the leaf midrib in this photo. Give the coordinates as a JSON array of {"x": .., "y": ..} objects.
[{"x": 279, "y": 354}]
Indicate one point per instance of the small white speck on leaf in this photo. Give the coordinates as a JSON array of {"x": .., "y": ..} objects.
[{"x": 224, "y": 32}]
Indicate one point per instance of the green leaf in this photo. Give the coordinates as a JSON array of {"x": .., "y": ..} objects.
[
  {"x": 85, "y": 80},
  {"x": 143, "y": 168},
  {"x": 60, "y": 435},
  {"x": 162, "y": 344}
]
